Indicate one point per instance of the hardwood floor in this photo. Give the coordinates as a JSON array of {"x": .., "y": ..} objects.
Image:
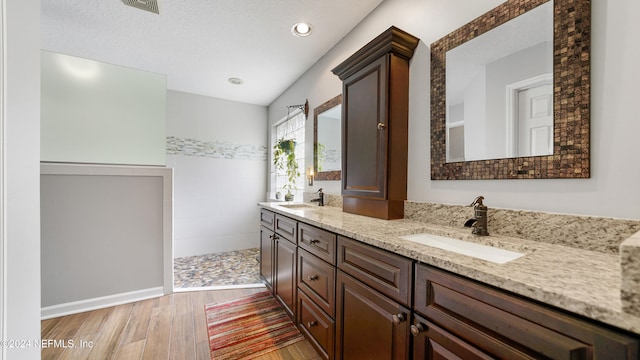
[{"x": 168, "y": 327}]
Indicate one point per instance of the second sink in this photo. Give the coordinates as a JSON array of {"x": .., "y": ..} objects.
[{"x": 484, "y": 252}]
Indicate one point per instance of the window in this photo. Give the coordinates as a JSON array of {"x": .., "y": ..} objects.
[{"x": 292, "y": 128}]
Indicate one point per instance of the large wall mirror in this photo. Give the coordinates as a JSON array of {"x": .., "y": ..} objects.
[
  {"x": 510, "y": 94},
  {"x": 327, "y": 140}
]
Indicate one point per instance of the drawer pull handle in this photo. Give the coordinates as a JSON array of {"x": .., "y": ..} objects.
[
  {"x": 397, "y": 319},
  {"x": 417, "y": 329},
  {"x": 313, "y": 277},
  {"x": 311, "y": 324},
  {"x": 314, "y": 241}
]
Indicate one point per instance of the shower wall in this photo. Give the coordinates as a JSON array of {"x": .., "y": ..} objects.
[{"x": 218, "y": 150}]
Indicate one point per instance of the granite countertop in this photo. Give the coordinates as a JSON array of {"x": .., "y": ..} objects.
[{"x": 580, "y": 281}]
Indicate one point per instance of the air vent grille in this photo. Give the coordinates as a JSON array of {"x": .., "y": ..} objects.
[{"x": 148, "y": 5}]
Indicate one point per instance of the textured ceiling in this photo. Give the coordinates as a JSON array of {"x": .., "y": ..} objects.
[{"x": 199, "y": 44}]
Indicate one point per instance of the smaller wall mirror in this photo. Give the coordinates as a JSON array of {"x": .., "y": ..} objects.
[{"x": 327, "y": 140}]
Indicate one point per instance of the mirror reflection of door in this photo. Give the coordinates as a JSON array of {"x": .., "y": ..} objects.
[
  {"x": 530, "y": 117},
  {"x": 535, "y": 121}
]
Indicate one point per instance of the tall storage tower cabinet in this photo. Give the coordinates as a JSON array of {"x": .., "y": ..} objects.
[{"x": 375, "y": 90}]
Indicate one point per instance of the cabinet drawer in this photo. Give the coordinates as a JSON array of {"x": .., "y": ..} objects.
[
  {"x": 286, "y": 228},
  {"x": 386, "y": 272},
  {"x": 316, "y": 325},
  {"x": 432, "y": 342},
  {"x": 267, "y": 219},
  {"x": 318, "y": 280},
  {"x": 320, "y": 243},
  {"x": 498, "y": 323}
]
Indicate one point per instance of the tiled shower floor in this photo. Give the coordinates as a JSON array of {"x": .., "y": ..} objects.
[{"x": 240, "y": 267}]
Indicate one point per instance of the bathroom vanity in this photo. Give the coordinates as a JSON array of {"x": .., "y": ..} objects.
[{"x": 357, "y": 288}]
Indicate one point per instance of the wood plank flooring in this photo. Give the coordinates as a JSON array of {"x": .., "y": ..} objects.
[{"x": 168, "y": 327}]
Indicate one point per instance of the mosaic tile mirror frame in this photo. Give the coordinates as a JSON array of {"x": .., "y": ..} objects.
[{"x": 571, "y": 101}]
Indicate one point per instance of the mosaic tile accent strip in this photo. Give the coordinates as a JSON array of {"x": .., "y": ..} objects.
[
  {"x": 215, "y": 149},
  {"x": 240, "y": 267},
  {"x": 571, "y": 80},
  {"x": 582, "y": 232}
]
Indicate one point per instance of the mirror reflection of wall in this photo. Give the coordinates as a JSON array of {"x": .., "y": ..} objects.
[
  {"x": 330, "y": 140},
  {"x": 327, "y": 123},
  {"x": 500, "y": 91}
]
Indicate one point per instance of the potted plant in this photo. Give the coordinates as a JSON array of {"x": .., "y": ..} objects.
[{"x": 284, "y": 157}]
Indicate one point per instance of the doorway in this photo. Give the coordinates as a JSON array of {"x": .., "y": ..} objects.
[{"x": 530, "y": 117}]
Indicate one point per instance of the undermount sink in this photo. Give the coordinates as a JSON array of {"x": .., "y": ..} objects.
[
  {"x": 484, "y": 252},
  {"x": 296, "y": 206}
]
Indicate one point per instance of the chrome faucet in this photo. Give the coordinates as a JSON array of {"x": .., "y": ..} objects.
[
  {"x": 320, "y": 199},
  {"x": 479, "y": 220}
]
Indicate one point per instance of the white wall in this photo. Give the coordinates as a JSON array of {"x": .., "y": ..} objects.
[
  {"x": 612, "y": 190},
  {"x": 217, "y": 149},
  {"x": 475, "y": 117},
  {"x": 99, "y": 113},
  {"x": 21, "y": 141}
]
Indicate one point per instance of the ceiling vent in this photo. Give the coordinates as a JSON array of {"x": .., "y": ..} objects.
[{"x": 148, "y": 5}]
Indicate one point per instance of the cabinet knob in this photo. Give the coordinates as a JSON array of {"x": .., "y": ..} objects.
[
  {"x": 381, "y": 126},
  {"x": 311, "y": 324},
  {"x": 397, "y": 319},
  {"x": 417, "y": 329},
  {"x": 274, "y": 237},
  {"x": 313, "y": 277}
]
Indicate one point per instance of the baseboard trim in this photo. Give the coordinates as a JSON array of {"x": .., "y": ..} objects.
[
  {"x": 99, "y": 302},
  {"x": 218, "y": 287}
]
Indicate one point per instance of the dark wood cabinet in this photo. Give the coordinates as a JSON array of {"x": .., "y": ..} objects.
[
  {"x": 375, "y": 94},
  {"x": 278, "y": 258},
  {"x": 318, "y": 242},
  {"x": 317, "y": 287},
  {"x": 373, "y": 300},
  {"x": 316, "y": 325},
  {"x": 285, "y": 274},
  {"x": 267, "y": 242},
  {"x": 286, "y": 227},
  {"x": 317, "y": 279},
  {"x": 388, "y": 273},
  {"x": 355, "y": 301},
  {"x": 507, "y": 326},
  {"x": 432, "y": 342},
  {"x": 267, "y": 219},
  {"x": 368, "y": 324}
]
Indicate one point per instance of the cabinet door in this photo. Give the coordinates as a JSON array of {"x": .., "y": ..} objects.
[
  {"x": 433, "y": 342},
  {"x": 369, "y": 325},
  {"x": 266, "y": 256},
  {"x": 364, "y": 131},
  {"x": 285, "y": 274}
]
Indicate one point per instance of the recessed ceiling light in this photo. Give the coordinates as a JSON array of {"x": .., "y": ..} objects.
[
  {"x": 235, "y": 81},
  {"x": 301, "y": 29}
]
